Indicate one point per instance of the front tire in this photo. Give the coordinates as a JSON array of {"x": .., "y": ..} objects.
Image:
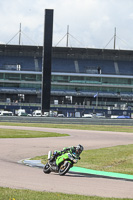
[
  {"x": 64, "y": 169},
  {"x": 46, "y": 169}
]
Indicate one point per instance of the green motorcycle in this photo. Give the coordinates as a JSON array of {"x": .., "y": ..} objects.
[{"x": 61, "y": 164}]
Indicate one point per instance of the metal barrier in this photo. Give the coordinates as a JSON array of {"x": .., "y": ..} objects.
[{"x": 65, "y": 120}]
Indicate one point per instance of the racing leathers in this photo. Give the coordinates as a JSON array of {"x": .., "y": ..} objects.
[{"x": 76, "y": 150}]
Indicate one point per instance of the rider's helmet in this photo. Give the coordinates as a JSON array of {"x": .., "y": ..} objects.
[{"x": 79, "y": 149}]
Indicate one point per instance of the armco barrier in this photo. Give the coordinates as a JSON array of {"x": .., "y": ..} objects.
[{"x": 65, "y": 120}]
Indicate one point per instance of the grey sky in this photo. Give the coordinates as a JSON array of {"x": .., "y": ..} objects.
[{"x": 91, "y": 22}]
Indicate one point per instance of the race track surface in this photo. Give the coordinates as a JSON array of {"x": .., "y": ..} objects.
[{"x": 19, "y": 176}]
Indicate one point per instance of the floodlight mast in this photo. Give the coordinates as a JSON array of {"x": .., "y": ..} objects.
[
  {"x": 20, "y": 34},
  {"x": 67, "y": 36},
  {"x": 114, "y": 37}
]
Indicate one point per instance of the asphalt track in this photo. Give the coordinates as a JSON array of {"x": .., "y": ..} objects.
[{"x": 15, "y": 175}]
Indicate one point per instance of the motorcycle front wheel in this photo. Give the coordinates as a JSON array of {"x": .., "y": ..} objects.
[
  {"x": 46, "y": 169},
  {"x": 64, "y": 168}
]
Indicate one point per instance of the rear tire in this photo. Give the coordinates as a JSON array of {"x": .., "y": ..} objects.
[
  {"x": 64, "y": 169},
  {"x": 46, "y": 169}
]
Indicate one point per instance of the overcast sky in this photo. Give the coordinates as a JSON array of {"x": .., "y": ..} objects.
[{"x": 91, "y": 22}]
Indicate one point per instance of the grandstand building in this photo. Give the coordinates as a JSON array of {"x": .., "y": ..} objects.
[{"x": 80, "y": 76}]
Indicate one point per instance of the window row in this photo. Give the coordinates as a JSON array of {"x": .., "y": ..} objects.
[
  {"x": 68, "y": 88},
  {"x": 67, "y": 79}
]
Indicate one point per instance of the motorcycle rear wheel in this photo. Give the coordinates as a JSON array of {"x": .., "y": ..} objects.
[
  {"x": 64, "y": 169},
  {"x": 46, "y": 169}
]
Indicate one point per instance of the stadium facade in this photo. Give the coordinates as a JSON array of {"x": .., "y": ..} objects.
[{"x": 84, "y": 77}]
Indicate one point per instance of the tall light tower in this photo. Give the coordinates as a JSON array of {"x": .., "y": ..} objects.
[{"x": 47, "y": 61}]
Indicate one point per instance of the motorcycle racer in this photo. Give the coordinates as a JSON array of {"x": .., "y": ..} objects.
[{"x": 76, "y": 150}]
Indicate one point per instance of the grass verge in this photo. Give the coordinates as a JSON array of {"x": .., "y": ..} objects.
[
  {"x": 16, "y": 194},
  {"x": 112, "y": 159},
  {"x": 12, "y": 133},
  {"x": 74, "y": 126}
]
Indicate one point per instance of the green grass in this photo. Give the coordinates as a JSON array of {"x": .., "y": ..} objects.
[
  {"x": 74, "y": 126},
  {"x": 112, "y": 159},
  {"x": 12, "y": 133},
  {"x": 15, "y": 194}
]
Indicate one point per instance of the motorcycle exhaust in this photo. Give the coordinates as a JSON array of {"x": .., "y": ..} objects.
[{"x": 49, "y": 155}]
